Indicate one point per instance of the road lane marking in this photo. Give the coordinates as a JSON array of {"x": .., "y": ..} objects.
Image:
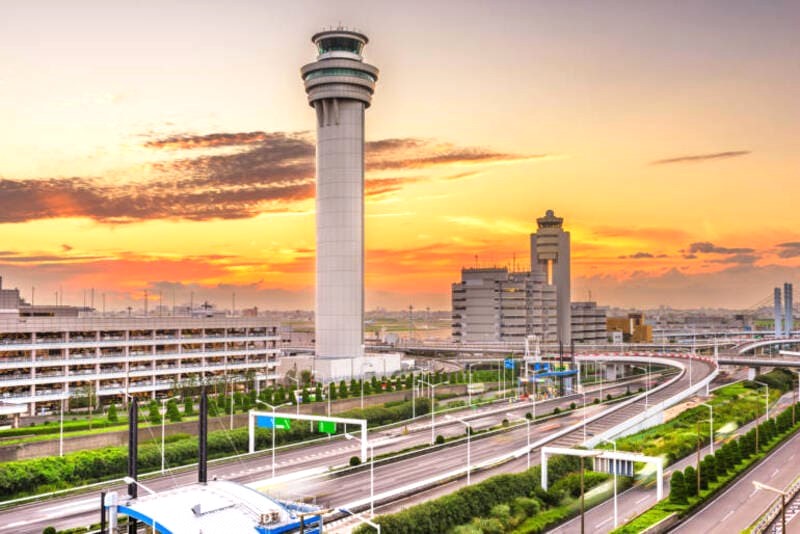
[
  {"x": 726, "y": 516},
  {"x": 640, "y": 501}
]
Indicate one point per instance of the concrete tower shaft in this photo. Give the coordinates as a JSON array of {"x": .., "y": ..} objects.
[{"x": 339, "y": 87}]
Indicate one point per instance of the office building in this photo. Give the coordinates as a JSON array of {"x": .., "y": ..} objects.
[
  {"x": 550, "y": 249},
  {"x": 46, "y": 359},
  {"x": 588, "y": 323},
  {"x": 633, "y": 328},
  {"x": 498, "y": 305},
  {"x": 339, "y": 87}
]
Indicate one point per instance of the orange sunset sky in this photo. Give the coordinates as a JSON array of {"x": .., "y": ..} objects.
[{"x": 168, "y": 146}]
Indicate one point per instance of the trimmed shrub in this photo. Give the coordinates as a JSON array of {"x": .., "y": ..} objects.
[{"x": 677, "y": 491}]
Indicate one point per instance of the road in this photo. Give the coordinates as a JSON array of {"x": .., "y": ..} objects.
[
  {"x": 337, "y": 490},
  {"x": 77, "y": 510},
  {"x": 634, "y": 501},
  {"x": 740, "y": 505}
]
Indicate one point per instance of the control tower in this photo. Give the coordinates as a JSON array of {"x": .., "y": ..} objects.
[
  {"x": 339, "y": 87},
  {"x": 550, "y": 254}
]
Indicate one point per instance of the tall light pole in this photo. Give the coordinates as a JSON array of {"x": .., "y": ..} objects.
[
  {"x": 584, "y": 415},
  {"x": 766, "y": 396},
  {"x": 297, "y": 403},
  {"x": 371, "y": 472},
  {"x": 163, "y": 425},
  {"x": 711, "y": 420},
  {"x": 272, "y": 431},
  {"x": 61, "y": 427},
  {"x": 614, "y": 468},
  {"x": 376, "y": 526},
  {"x": 528, "y": 423},
  {"x": 760, "y": 486},
  {"x": 469, "y": 383},
  {"x": 469, "y": 433},
  {"x": 433, "y": 411}
]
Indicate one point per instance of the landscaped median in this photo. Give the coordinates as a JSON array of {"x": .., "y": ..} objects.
[
  {"x": 512, "y": 503},
  {"x": 689, "y": 489}
]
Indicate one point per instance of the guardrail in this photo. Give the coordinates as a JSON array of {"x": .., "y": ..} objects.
[{"x": 774, "y": 511}]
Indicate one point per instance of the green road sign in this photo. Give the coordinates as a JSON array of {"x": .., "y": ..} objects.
[
  {"x": 282, "y": 423},
  {"x": 327, "y": 427}
]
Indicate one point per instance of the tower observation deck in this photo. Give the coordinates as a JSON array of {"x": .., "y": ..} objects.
[{"x": 339, "y": 87}]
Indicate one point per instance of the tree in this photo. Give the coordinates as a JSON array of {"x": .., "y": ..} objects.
[
  {"x": 173, "y": 413},
  {"x": 690, "y": 479},
  {"x": 305, "y": 377},
  {"x": 711, "y": 467},
  {"x": 188, "y": 406},
  {"x": 677, "y": 491},
  {"x": 318, "y": 393},
  {"x": 112, "y": 414},
  {"x": 213, "y": 408},
  {"x": 155, "y": 414},
  {"x": 332, "y": 391},
  {"x": 343, "y": 389}
]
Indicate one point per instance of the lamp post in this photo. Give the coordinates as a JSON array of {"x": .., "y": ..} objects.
[
  {"x": 584, "y": 415},
  {"x": 766, "y": 396},
  {"x": 376, "y": 526},
  {"x": 711, "y": 421},
  {"x": 61, "y": 427},
  {"x": 163, "y": 425},
  {"x": 371, "y": 472},
  {"x": 469, "y": 384},
  {"x": 614, "y": 468},
  {"x": 528, "y": 423},
  {"x": 760, "y": 486},
  {"x": 469, "y": 433},
  {"x": 362, "y": 380},
  {"x": 272, "y": 431},
  {"x": 433, "y": 411},
  {"x": 296, "y": 381}
]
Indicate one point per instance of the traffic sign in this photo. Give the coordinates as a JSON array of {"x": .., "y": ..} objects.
[
  {"x": 509, "y": 363},
  {"x": 267, "y": 421},
  {"x": 327, "y": 427}
]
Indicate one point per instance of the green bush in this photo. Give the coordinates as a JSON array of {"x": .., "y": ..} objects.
[
  {"x": 49, "y": 530},
  {"x": 677, "y": 491},
  {"x": 112, "y": 414},
  {"x": 354, "y": 461},
  {"x": 439, "y": 439}
]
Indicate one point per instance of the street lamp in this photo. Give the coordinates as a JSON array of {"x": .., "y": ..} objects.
[
  {"x": 376, "y": 526},
  {"x": 469, "y": 433},
  {"x": 469, "y": 383},
  {"x": 297, "y": 403},
  {"x": 362, "y": 379},
  {"x": 614, "y": 468},
  {"x": 130, "y": 480},
  {"x": 371, "y": 472},
  {"x": 766, "y": 397},
  {"x": 433, "y": 411},
  {"x": 61, "y": 426},
  {"x": 528, "y": 422},
  {"x": 760, "y": 486},
  {"x": 272, "y": 431},
  {"x": 711, "y": 421},
  {"x": 584, "y": 415},
  {"x": 163, "y": 424}
]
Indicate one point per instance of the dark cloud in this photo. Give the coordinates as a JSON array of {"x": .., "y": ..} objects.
[
  {"x": 701, "y": 157},
  {"x": 690, "y": 256},
  {"x": 789, "y": 250},
  {"x": 705, "y": 247},
  {"x": 745, "y": 259},
  {"x": 637, "y": 256},
  {"x": 267, "y": 173},
  {"x": 66, "y": 248}
]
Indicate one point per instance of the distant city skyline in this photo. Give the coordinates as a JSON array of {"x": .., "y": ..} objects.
[{"x": 175, "y": 152}]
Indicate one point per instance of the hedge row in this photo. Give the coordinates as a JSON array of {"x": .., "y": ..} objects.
[
  {"x": 716, "y": 471},
  {"x": 27, "y": 477},
  {"x": 479, "y": 500}
]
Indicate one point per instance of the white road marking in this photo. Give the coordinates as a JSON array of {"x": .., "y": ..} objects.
[
  {"x": 640, "y": 501},
  {"x": 726, "y": 516}
]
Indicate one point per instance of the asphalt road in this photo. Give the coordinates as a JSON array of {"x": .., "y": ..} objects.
[{"x": 82, "y": 509}]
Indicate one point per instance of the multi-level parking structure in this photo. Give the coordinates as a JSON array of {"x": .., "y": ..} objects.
[{"x": 46, "y": 360}]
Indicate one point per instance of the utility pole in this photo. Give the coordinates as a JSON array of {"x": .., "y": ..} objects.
[{"x": 697, "y": 429}]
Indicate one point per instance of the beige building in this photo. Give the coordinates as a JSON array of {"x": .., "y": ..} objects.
[
  {"x": 633, "y": 328},
  {"x": 588, "y": 323}
]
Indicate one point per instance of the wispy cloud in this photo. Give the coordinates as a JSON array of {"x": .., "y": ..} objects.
[
  {"x": 637, "y": 256},
  {"x": 789, "y": 250},
  {"x": 705, "y": 247},
  {"x": 697, "y": 158},
  {"x": 266, "y": 172}
]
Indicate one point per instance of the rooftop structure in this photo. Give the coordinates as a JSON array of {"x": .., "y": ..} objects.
[
  {"x": 339, "y": 87},
  {"x": 44, "y": 360},
  {"x": 218, "y": 506}
]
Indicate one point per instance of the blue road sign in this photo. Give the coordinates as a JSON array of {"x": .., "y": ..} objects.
[{"x": 509, "y": 363}]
